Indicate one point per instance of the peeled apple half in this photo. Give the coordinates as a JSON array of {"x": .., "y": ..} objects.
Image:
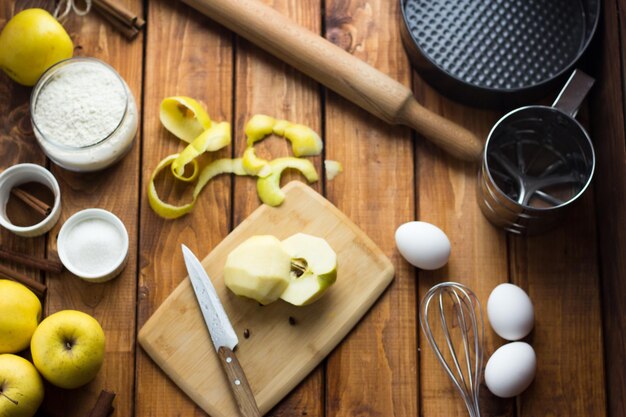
[
  {"x": 258, "y": 269},
  {"x": 313, "y": 268},
  {"x": 298, "y": 270}
]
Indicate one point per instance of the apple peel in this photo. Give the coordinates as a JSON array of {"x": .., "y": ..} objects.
[
  {"x": 215, "y": 168},
  {"x": 184, "y": 117},
  {"x": 268, "y": 188},
  {"x": 213, "y": 139},
  {"x": 332, "y": 168},
  {"x": 304, "y": 140},
  {"x": 254, "y": 165}
]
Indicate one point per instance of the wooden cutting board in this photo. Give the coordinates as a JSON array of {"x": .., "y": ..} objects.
[{"x": 279, "y": 351}]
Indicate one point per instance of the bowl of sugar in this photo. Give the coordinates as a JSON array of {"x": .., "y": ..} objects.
[{"x": 93, "y": 245}]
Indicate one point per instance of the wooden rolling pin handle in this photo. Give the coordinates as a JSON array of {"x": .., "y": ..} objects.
[
  {"x": 454, "y": 139},
  {"x": 238, "y": 383},
  {"x": 338, "y": 70}
]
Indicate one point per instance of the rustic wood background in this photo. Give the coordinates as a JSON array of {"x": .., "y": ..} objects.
[{"x": 574, "y": 275}]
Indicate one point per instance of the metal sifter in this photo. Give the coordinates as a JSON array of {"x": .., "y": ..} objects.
[{"x": 536, "y": 162}]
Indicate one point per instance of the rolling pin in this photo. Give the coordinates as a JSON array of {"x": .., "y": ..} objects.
[{"x": 338, "y": 70}]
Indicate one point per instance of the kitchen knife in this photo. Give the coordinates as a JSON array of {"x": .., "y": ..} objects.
[{"x": 222, "y": 334}]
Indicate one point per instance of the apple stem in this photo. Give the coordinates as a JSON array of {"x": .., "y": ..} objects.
[{"x": 8, "y": 398}]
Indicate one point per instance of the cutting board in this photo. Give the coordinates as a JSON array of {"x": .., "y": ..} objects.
[{"x": 284, "y": 342}]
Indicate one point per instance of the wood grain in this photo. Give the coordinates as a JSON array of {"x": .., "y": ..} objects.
[
  {"x": 287, "y": 342},
  {"x": 447, "y": 198},
  {"x": 374, "y": 371},
  {"x": 608, "y": 132},
  {"x": 187, "y": 55},
  {"x": 265, "y": 85},
  {"x": 559, "y": 272}
]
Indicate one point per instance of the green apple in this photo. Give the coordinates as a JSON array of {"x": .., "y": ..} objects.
[
  {"x": 21, "y": 388},
  {"x": 258, "y": 268},
  {"x": 269, "y": 186},
  {"x": 20, "y": 313},
  {"x": 313, "y": 271},
  {"x": 68, "y": 348}
]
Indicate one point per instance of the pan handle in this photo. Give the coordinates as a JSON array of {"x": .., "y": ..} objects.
[{"x": 572, "y": 95}]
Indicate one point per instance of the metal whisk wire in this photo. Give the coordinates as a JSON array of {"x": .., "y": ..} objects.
[{"x": 465, "y": 371}]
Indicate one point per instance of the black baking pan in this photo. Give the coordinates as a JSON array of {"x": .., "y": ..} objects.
[{"x": 497, "y": 53}]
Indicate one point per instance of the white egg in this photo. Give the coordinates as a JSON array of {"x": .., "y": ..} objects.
[
  {"x": 511, "y": 369},
  {"x": 510, "y": 312},
  {"x": 423, "y": 245}
]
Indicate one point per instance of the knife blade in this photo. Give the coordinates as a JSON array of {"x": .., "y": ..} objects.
[{"x": 222, "y": 334}]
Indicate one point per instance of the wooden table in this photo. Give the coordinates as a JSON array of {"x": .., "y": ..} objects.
[{"x": 574, "y": 275}]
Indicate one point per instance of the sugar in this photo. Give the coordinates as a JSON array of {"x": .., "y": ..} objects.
[{"x": 94, "y": 246}]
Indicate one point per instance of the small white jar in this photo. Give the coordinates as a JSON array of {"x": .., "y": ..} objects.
[
  {"x": 21, "y": 174},
  {"x": 83, "y": 114},
  {"x": 93, "y": 245}
]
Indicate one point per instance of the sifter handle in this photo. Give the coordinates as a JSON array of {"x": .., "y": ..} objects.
[
  {"x": 573, "y": 93},
  {"x": 338, "y": 70}
]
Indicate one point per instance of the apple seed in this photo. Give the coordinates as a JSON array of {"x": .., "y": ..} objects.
[{"x": 299, "y": 266}]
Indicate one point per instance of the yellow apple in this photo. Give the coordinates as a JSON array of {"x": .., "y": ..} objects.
[
  {"x": 21, "y": 388},
  {"x": 68, "y": 348},
  {"x": 20, "y": 312},
  {"x": 258, "y": 268},
  {"x": 30, "y": 43},
  {"x": 313, "y": 268}
]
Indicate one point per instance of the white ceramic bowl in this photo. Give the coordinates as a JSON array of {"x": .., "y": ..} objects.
[
  {"x": 93, "y": 245},
  {"x": 22, "y": 174}
]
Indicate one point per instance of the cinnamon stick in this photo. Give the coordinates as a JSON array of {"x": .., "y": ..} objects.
[
  {"x": 104, "y": 404},
  {"x": 37, "y": 287},
  {"x": 120, "y": 12},
  {"x": 32, "y": 201},
  {"x": 43, "y": 264},
  {"x": 125, "y": 21},
  {"x": 130, "y": 32}
]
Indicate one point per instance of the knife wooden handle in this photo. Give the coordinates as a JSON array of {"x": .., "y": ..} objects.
[
  {"x": 238, "y": 383},
  {"x": 338, "y": 70}
]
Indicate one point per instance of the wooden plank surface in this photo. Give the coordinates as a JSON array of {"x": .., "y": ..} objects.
[
  {"x": 373, "y": 373},
  {"x": 264, "y": 85},
  {"x": 186, "y": 54},
  {"x": 391, "y": 175},
  {"x": 609, "y": 131},
  {"x": 447, "y": 198}
]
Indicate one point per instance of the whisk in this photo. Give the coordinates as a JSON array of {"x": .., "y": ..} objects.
[{"x": 459, "y": 316}]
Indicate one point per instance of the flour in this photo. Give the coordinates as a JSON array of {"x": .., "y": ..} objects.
[
  {"x": 80, "y": 105},
  {"x": 84, "y": 116}
]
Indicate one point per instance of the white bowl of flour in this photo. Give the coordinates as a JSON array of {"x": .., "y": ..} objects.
[
  {"x": 84, "y": 115},
  {"x": 93, "y": 245}
]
